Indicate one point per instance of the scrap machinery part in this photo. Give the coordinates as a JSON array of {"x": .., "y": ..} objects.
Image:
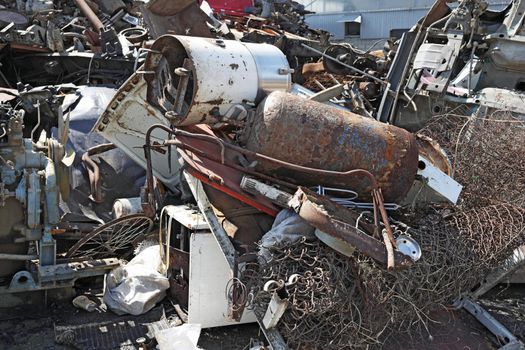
[
  {"x": 349, "y": 55},
  {"x": 113, "y": 238},
  {"x": 28, "y": 196},
  {"x": 315, "y": 135},
  {"x": 342, "y": 229},
  {"x": 472, "y": 55},
  {"x": 198, "y": 80},
  {"x": 93, "y": 169}
]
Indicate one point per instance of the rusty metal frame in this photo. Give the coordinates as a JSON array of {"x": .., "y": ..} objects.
[
  {"x": 380, "y": 213},
  {"x": 343, "y": 224}
]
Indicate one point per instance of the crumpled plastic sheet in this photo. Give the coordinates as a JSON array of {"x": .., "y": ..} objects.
[
  {"x": 287, "y": 228},
  {"x": 121, "y": 176},
  {"x": 136, "y": 287}
]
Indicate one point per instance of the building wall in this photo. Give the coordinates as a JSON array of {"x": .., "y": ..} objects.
[
  {"x": 377, "y": 17},
  {"x": 374, "y": 25},
  {"x": 334, "y": 6}
]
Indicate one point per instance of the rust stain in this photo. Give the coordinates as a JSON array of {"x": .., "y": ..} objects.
[{"x": 217, "y": 101}]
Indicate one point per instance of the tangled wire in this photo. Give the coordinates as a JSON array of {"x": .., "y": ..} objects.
[
  {"x": 325, "y": 300},
  {"x": 486, "y": 154},
  {"x": 340, "y": 302}
]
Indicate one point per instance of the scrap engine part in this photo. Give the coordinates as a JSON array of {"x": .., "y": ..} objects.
[
  {"x": 315, "y": 135},
  {"x": 200, "y": 79},
  {"x": 28, "y": 196}
]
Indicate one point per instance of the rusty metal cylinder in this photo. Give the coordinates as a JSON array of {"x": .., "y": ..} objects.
[{"x": 312, "y": 134}]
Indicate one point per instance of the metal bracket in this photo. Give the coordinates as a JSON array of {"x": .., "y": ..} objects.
[
  {"x": 486, "y": 319},
  {"x": 75, "y": 270}
]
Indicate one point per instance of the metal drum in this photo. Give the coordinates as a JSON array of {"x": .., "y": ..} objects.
[{"x": 200, "y": 79}]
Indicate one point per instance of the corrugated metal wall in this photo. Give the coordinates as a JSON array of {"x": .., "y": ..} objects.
[
  {"x": 375, "y": 23},
  {"x": 328, "y": 22},
  {"x": 336, "y": 6}
]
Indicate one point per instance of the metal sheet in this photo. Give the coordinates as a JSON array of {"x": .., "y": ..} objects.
[
  {"x": 209, "y": 273},
  {"x": 125, "y": 122}
]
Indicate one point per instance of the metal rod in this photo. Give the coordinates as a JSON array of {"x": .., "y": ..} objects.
[
  {"x": 291, "y": 166},
  {"x": 17, "y": 257},
  {"x": 37, "y": 120},
  {"x": 90, "y": 15}
]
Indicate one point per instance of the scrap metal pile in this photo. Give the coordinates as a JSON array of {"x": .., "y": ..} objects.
[{"x": 354, "y": 194}]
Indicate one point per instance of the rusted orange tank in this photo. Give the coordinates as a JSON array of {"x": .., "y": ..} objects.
[{"x": 312, "y": 134}]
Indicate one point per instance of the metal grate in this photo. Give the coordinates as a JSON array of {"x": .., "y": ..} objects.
[{"x": 118, "y": 333}]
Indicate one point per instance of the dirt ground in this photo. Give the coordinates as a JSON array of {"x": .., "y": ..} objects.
[{"x": 33, "y": 327}]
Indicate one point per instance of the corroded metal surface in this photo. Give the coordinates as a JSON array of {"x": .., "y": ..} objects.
[
  {"x": 343, "y": 224},
  {"x": 312, "y": 134}
]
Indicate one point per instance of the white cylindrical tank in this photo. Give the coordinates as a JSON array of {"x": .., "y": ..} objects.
[
  {"x": 126, "y": 206},
  {"x": 219, "y": 74}
]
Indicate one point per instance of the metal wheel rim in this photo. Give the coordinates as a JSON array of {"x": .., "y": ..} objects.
[{"x": 120, "y": 234}]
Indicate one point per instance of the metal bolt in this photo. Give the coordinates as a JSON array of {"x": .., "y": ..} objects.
[{"x": 182, "y": 72}]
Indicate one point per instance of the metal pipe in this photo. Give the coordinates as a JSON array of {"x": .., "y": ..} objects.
[
  {"x": 94, "y": 171},
  {"x": 17, "y": 257},
  {"x": 200, "y": 153},
  {"x": 104, "y": 147},
  {"x": 389, "y": 251},
  {"x": 291, "y": 166},
  {"x": 37, "y": 120},
  {"x": 90, "y": 15}
]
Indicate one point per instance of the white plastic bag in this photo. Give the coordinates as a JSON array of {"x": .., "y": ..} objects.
[
  {"x": 183, "y": 337},
  {"x": 136, "y": 288}
]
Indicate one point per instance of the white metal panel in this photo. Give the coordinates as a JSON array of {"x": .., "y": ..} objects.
[
  {"x": 189, "y": 218},
  {"x": 125, "y": 123},
  {"x": 209, "y": 274},
  {"x": 443, "y": 185}
]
